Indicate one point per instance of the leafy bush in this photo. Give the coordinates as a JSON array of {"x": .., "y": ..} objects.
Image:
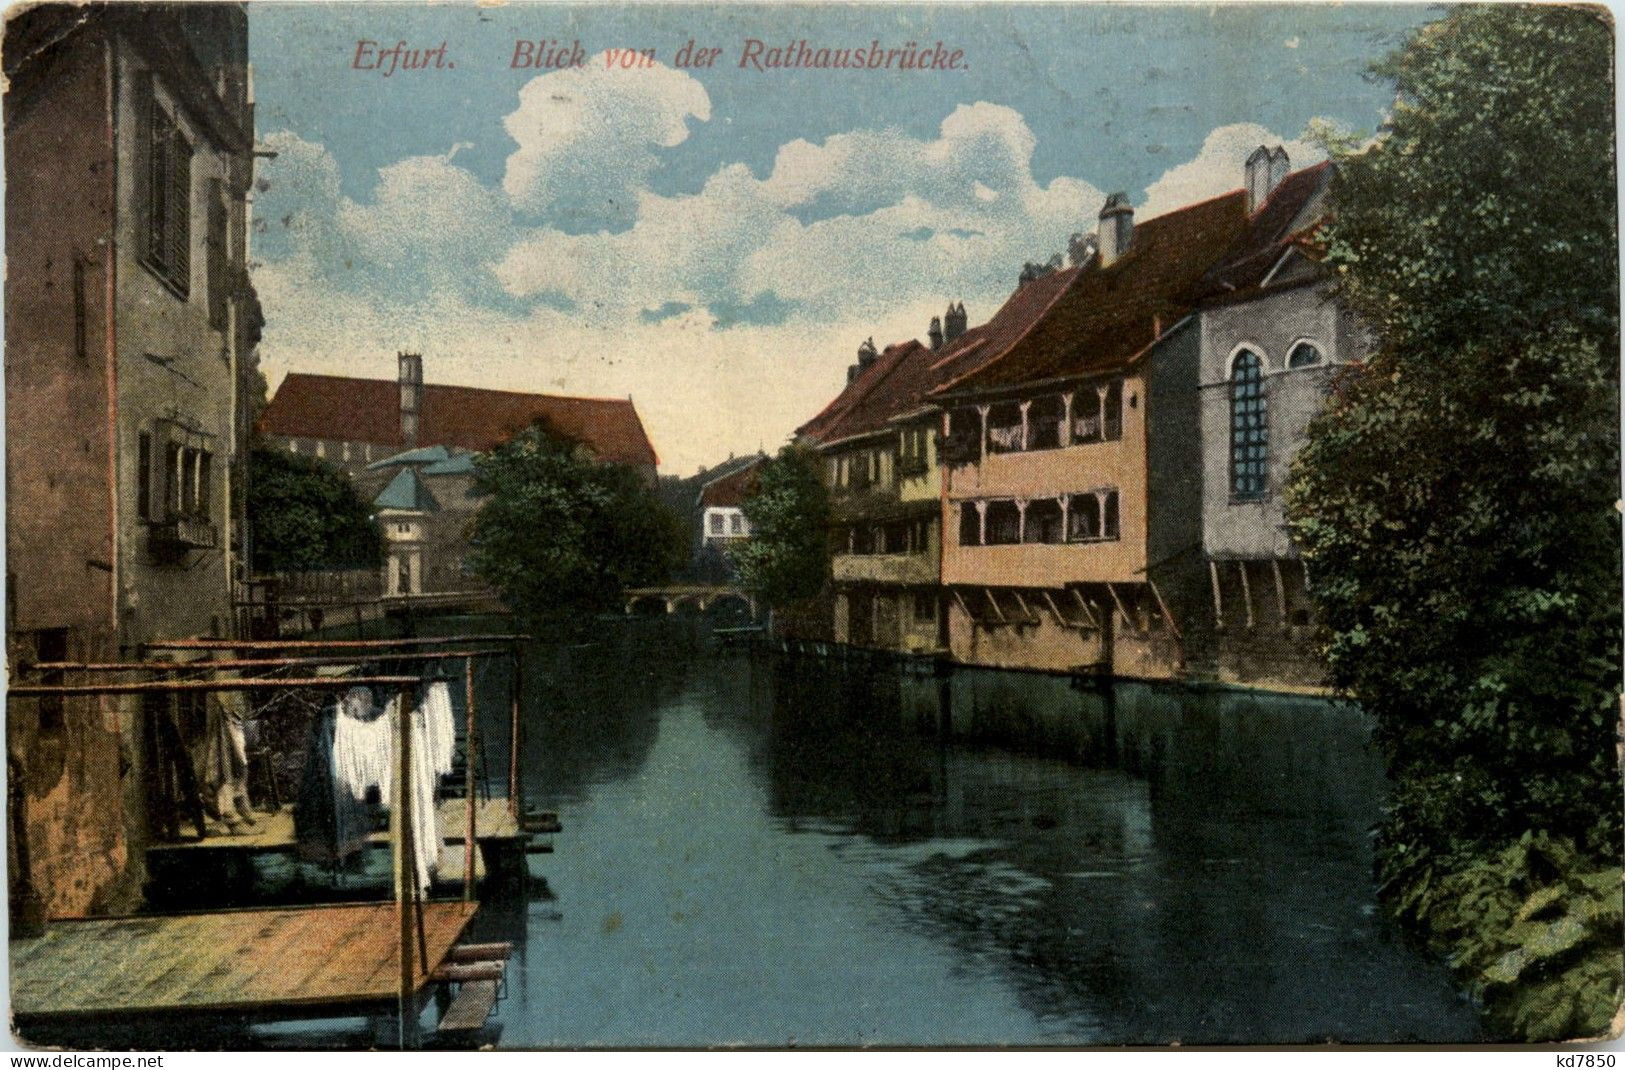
[
  {"x": 1534, "y": 932},
  {"x": 304, "y": 513},
  {"x": 787, "y": 559}
]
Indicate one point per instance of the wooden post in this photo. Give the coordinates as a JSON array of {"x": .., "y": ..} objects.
[
  {"x": 1218, "y": 601},
  {"x": 513, "y": 730},
  {"x": 468, "y": 762},
  {"x": 406, "y": 877}
]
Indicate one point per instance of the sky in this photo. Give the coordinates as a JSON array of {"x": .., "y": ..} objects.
[{"x": 715, "y": 242}]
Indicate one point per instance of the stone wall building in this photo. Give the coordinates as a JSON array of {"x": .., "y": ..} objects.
[
  {"x": 1272, "y": 338},
  {"x": 130, "y": 331}
]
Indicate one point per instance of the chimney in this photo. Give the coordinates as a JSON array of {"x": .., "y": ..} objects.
[
  {"x": 411, "y": 379},
  {"x": 1265, "y": 170},
  {"x": 1116, "y": 228},
  {"x": 867, "y": 355},
  {"x": 953, "y": 324},
  {"x": 935, "y": 333}
]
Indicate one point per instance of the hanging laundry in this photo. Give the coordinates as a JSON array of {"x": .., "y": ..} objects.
[
  {"x": 225, "y": 759},
  {"x": 431, "y": 750},
  {"x": 442, "y": 726},
  {"x": 330, "y": 821},
  {"x": 363, "y": 746}
]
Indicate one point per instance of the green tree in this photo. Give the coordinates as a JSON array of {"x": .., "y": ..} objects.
[
  {"x": 561, "y": 535},
  {"x": 1455, "y": 500},
  {"x": 304, "y": 513},
  {"x": 786, "y": 559}
]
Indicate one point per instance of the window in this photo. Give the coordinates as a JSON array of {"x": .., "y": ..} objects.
[
  {"x": 716, "y": 523},
  {"x": 1003, "y": 523},
  {"x": 970, "y": 524},
  {"x": 964, "y": 442},
  {"x": 172, "y": 479},
  {"x": 1303, "y": 355},
  {"x": 167, "y": 192},
  {"x": 1043, "y": 523},
  {"x": 143, "y": 476},
  {"x": 1092, "y": 517},
  {"x": 1113, "y": 414},
  {"x": 1004, "y": 432},
  {"x": 1097, "y": 413},
  {"x": 1044, "y": 419},
  {"x": 1083, "y": 518},
  {"x": 1249, "y": 431},
  {"x": 736, "y": 524}
]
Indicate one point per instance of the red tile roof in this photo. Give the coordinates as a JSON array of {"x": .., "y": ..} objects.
[
  {"x": 1114, "y": 312},
  {"x": 1280, "y": 223},
  {"x": 906, "y": 372},
  {"x": 732, "y": 488},
  {"x": 343, "y": 409}
]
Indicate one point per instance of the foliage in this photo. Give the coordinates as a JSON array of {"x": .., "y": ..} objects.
[
  {"x": 561, "y": 535},
  {"x": 1455, "y": 500},
  {"x": 1533, "y": 932},
  {"x": 304, "y": 513},
  {"x": 787, "y": 558}
]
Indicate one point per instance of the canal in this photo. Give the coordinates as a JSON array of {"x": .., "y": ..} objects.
[{"x": 767, "y": 850}]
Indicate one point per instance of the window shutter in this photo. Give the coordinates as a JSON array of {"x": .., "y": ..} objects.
[
  {"x": 159, "y": 148},
  {"x": 179, "y": 211}
]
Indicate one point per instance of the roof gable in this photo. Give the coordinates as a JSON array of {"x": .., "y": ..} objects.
[{"x": 407, "y": 492}]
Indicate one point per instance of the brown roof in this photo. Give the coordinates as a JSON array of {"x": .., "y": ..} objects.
[
  {"x": 1276, "y": 227},
  {"x": 906, "y": 372},
  {"x": 732, "y": 488},
  {"x": 1114, "y": 312},
  {"x": 341, "y": 408}
]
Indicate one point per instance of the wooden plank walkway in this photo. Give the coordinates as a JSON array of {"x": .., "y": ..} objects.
[
  {"x": 273, "y": 964},
  {"x": 274, "y": 831}
]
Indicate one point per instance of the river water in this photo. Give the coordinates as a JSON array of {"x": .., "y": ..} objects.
[{"x": 777, "y": 851}]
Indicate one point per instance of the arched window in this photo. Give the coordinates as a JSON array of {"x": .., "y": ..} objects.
[
  {"x": 1303, "y": 355},
  {"x": 1249, "y": 427}
]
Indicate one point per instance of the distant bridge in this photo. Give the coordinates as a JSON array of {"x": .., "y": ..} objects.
[{"x": 701, "y": 596}]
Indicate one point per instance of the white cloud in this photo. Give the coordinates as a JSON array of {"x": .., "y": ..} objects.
[
  {"x": 1217, "y": 167},
  {"x": 729, "y": 313},
  {"x": 587, "y": 136},
  {"x": 864, "y": 221}
]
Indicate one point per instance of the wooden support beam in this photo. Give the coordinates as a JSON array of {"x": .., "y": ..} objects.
[
  {"x": 1094, "y": 621},
  {"x": 1025, "y": 609},
  {"x": 1118, "y": 602},
  {"x": 514, "y": 731},
  {"x": 469, "y": 722},
  {"x": 1218, "y": 599},
  {"x": 987, "y": 593},
  {"x": 1280, "y": 591},
  {"x": 1246, "y": 591},
  {"x": 237, "y": 664},
  {"x": 143, "y": 687},
  {"x": 406, "y": 877},
  {"x": 1173, "y": 625},
  {"x": 1056, "y": 610},
  {"x": 492, "y": 952},
  {"x": 330, "y": 644}
]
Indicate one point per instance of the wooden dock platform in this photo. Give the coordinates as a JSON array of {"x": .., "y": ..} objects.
[{"x": 269, "y": 965}]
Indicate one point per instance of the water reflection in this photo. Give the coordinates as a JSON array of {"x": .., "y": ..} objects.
[{"x": 774, "y": 851}]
